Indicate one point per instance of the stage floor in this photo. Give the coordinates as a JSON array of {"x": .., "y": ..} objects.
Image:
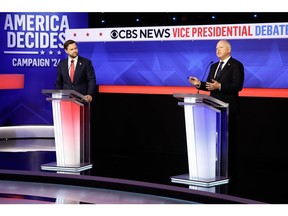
[
  {"x": 16, "y": 192},
  {"x": 28, "y": 156}
]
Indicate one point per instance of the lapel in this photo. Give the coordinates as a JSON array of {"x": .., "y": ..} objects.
[
  {"x": 78, "y": 69},
  {"x": 65, "y": 69},
  {"x": 224, "y": 69}
]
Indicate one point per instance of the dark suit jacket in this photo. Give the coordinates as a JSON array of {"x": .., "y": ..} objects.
[
  {"x": 231, "y": 79},
  {"x": 84, "y": 78}
]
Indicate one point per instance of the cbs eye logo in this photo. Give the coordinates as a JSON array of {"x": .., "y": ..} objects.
[{"x": 114, "y": 34}]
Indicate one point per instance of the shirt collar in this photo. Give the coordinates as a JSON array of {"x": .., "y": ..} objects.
[
  {"x": 226, "y": 60},
  {"x": 75, "y": 59}
]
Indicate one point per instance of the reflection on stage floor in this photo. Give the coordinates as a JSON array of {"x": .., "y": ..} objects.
[{"x": 23, "y": 181}]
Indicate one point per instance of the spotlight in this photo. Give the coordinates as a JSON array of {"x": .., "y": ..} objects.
[
  {"x": 137, "y": 20},
  {"x": 102, "y": 21},
  {"x": 255, "y": 15},
  {"x": 174, "y": 18},
  {"x": 213, "y": 17}
]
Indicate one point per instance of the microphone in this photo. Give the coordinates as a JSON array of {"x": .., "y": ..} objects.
[
  {"x": 205, "y": 73},
  {"x": 206, "y": 70}
]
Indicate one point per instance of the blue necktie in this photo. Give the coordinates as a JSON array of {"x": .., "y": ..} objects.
[{"x": 218, "y": 70}]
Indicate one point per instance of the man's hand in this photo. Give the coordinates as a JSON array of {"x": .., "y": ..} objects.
[
  {"x": 214, "y": 85},
  {"x": 194, "y": 81},
  {"x": 88, "y": 98}
]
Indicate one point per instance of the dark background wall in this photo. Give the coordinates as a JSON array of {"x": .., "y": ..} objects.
[
  {"x": 131, "y": 19},
  {"x": 142, "y": 137}
]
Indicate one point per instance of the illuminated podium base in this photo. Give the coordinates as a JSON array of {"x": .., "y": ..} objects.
[
  {"x": 75, "y": 169},
  {"x": 184, "y": 179}
]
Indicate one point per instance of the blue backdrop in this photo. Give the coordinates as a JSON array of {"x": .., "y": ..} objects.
[
  {"x": 32, "y": 45},
  {"x": 168, "y": 63}
]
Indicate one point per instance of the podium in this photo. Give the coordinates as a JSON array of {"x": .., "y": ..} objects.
[
  {"x": 206, "y": 122},
  {"x": 71, "y": 117}
]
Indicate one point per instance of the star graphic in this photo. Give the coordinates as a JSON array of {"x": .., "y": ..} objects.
[
  {"x": 196, "y": 62},
  {"x": 50, "y": 52},
  {"x": 158, "y": 73},
  {"x": 42, "y": 52},
  {"x": 265, "y": 65},
  {"x": 87, "y": 34},
  {"x": 59, "y": 52}
]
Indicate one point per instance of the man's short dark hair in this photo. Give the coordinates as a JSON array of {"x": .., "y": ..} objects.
[{"x": 67, "y": 43}]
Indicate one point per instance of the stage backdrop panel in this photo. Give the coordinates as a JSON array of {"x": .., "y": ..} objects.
[
  {"x": 30, "y": 49},
  {"x": 169, "y": 63}
]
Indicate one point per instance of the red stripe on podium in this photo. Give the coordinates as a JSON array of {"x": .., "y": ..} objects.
[{"x": 11, "y": 81}]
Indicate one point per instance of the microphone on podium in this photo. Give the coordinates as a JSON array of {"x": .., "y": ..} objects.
[
  {"x": 206, "y": 70},
  {"x": 205, "y": 73}
]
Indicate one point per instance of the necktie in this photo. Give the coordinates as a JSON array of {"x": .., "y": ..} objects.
[
  {"x": 72, "y": 70},
  {"x": 218, "y": 70}
]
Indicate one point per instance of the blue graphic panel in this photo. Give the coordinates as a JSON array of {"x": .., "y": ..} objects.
[
  {"x": 169, "y": 63},
  {"x": 32, "y": 45}
]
